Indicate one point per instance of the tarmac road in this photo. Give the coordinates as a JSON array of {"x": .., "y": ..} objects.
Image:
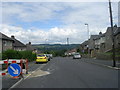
[{"x": 65, "y": 72}]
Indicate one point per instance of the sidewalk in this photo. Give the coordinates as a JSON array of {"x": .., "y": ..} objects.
[{"x": 106, "y": 63}]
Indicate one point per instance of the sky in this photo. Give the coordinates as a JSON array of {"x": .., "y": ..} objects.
[{"x": 54, "y": 22}]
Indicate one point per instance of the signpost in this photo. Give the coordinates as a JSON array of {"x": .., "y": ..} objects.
[{"x": 14, "y": 70}]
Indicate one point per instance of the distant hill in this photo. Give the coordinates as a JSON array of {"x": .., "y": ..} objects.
[{"x": 53, "y": 47}]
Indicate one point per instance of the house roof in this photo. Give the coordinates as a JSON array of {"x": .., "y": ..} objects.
[
  {"x": 4, "y": 37},
  {"x": 99, "y": 36},
  {"x": 93, "y": 37},
  {"x": 117, "y": 31},
  {"x": 85, "y": 43},
  {"x": 17, "y": 43},
  {"x": 30, "y": 47},
  {"x": 110, "y": 29}
]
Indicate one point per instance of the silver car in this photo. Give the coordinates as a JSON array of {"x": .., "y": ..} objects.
[{"x": 76, "y": 56}]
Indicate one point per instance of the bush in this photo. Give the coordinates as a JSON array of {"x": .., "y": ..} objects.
[
  {"x": 0, "y": 56},
  {"x": 13, "y": 54}
]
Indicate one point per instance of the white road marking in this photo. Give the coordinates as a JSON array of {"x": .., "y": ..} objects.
[{"x": 16, "y": 84}]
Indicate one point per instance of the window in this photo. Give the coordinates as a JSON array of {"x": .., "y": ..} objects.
[{"x": 4, "y": 43}]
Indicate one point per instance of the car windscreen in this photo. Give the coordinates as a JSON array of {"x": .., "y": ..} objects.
[{"x": 40, "y": 55}]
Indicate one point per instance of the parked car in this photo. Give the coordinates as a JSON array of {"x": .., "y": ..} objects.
[
  {"x": 77, "y": 56},
  {"x": 41, "y": 58},
  {"x": 50, "y": 56}
]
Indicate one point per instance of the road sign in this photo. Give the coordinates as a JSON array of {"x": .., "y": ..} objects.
[{"x": 14, "y": 69}]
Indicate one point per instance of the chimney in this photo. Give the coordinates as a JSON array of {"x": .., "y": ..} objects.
[
  {"x": 100, "y": 33},
  {"x": 13, "y": 37},
  {"x": 29, "y": 43},
  {"x": 115, "y": 25}
]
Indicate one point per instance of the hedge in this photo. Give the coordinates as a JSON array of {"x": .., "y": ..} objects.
[
  {"x": 0, "y": 56},
  {"x": 13, "y": 54}
]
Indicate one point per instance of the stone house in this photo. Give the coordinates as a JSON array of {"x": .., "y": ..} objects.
[
  {"x": 103, "y": 42},
  {"x": 117, "y": 38},
  {"x": 70, "y": 52},
  {"x": 5, "y": 42},
  {"x": 17, "y": 45},
  {"x": 84, "y": 47},
  {"x": 100, "y": 43},
  {"x": 91, "y": 45},
  {"x": 108, "y": 39},
  {"x": 29, "y": 47}
]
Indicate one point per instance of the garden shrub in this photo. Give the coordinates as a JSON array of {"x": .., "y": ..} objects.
[{"x": 13, "y": 54}]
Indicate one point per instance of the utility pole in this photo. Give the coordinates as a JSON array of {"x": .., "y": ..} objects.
[
  {"x": 88, "y": 34},
  {"x": 113, "y": 46}
]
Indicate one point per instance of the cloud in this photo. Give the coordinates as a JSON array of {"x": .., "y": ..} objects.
[
  {"x": 65, "y": 12},
  {"x": 54, "y": 35},
  {"x": 58, "y": 0},
  {"x": 29, "y": 12},
  {"x": 72, "y": 17}
]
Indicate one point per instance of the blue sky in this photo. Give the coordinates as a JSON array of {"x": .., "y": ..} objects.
[{"x": 38, "y": 21}]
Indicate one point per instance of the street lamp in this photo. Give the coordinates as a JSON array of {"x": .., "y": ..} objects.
[
  {"x": 88, "y": 35},
  {"x": 87, "y": 29}
]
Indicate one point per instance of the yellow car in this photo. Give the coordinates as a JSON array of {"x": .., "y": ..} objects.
[{"x": 41, "y": 58}]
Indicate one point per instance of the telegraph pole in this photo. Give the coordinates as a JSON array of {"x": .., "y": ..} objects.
[
  {"x": 88, "y": 34},
  {"x": 113, "y": 46}
]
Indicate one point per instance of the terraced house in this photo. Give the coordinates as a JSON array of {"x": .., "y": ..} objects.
[
  {"x": 17, "y": 45},
  {"x": 5, "y": 42},
  {"x": 10, "y": 43},
  {"x": 102, "y": 43}
]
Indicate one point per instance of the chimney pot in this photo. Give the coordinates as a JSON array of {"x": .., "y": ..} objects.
[
  {"x": 12, "y": 36},
  {"x": 29, "y": 43}
]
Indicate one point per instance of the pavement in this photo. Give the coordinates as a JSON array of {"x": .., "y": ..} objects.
[{"x": 105, "y": 63}]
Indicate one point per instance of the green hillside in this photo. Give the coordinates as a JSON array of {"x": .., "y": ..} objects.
[{"x": 56, "y": 49}]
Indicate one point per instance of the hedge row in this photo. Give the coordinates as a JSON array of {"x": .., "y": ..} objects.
[{"x": 13, "y": 54}]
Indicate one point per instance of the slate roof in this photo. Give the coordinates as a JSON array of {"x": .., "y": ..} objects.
[
  {"x": 114, "y": 29},
  {"x": 117, "y": 31},
  {"x": 17, "y": 43},
  {"x": 4, "y": 37},
  {"x": 30, "y": 47},
  {"x": 94, "y": 37},
  {"x": 99, "y": 36},
  {"x": 85, "y": 43}
]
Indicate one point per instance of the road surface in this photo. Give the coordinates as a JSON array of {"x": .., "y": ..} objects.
[{"x": 65, "y": 72}]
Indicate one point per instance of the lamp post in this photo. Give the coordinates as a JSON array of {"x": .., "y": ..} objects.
[
  {"x": 87, "y": 29},
  {"x": 113, "y": 46},
  {"x": 88, "y": 35}
]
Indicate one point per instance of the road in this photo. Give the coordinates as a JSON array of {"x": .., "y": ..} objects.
[
  {"x": 8, "y": 81},
  {"x": 65, "y": 72}
]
